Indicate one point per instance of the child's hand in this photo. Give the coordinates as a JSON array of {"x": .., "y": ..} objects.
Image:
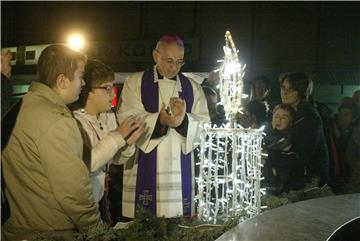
[
  {"x": 128, "y": 126},
  {"x": 139, "y": 131}
]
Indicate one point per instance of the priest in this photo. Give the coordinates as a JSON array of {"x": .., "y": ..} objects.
[{"x": 161, "y": 175}]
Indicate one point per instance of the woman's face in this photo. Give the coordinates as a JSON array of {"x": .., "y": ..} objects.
[
  {"x": 288, "y": 94},
  {"x": 281, "y": 119}
]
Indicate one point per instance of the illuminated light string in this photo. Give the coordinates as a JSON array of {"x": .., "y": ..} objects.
[{"x": 230, "y": 156}]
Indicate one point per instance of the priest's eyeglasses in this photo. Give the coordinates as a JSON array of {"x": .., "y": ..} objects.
[
  {"x": 108, "y": 88},
  {"x": 169, "y": 61},
  {"x": 178, "y": 63}
]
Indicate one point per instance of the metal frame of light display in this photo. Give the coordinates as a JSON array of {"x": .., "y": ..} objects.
[{"x": 230, "y": 156}]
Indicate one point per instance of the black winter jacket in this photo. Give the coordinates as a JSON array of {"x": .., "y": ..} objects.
[{"x": 308, "y": 142}]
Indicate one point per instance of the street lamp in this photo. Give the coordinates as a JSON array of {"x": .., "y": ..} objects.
[{"x": 76, "y": 42}]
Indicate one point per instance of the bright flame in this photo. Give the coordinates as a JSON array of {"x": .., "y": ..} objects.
[{"x": 76, "y": 42}]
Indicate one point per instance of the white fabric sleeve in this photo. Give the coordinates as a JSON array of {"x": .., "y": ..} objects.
[
  {"x": 105, "y": 150},
  {"x": 199, "y": 115},
  {"x": 131, "y": 105},
  {"x": 123, "y": 155}
]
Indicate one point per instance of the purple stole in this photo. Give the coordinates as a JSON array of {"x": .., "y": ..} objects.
[{"x": 146, "y": 172}]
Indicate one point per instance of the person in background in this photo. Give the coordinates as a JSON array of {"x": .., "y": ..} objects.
[
  {"x": 261, "y": 91},
  {"x": 308, "y": 140},
  {"x": 258, "y": 110},
  {"x": 6, "y": 86},
  {"x": 212, "y": 80},
  {"x": 217, "y": 116},
  {"x": 352, "y": 161},
  {"x": 161, "y": 178},
  {"x": 347, "y": 119},
  {"x": 110, "y": 143},
  {"x": 356, "y": 97},
  {"x": 6, "y": 120},
  {"x": 346, "y": 100},
  {"x": 47, "y": 182}
]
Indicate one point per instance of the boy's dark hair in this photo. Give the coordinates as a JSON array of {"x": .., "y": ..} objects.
[
  {"x": 263, "y": 79},
  {"x": 96, "y": 73},
  {"x": 301, "y": 82}
]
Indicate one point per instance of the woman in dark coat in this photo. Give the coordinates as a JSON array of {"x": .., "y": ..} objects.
[{"x": 308, "y": 141}]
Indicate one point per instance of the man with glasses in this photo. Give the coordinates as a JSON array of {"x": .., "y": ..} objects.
[{"x": 161, "y": 177}]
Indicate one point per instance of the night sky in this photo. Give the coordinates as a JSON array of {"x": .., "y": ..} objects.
[{"x": 272, "y": 37}]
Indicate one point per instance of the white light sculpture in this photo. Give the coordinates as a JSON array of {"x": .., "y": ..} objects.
[{"x": 230, "y": 156}]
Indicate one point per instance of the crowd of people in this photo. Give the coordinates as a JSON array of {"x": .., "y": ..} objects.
[
  {"x": 304, "y": 139},
  {"x": 55, "y": 165}
]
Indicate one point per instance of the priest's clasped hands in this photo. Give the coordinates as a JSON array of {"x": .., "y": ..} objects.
[{"x": 176, "y": 115}]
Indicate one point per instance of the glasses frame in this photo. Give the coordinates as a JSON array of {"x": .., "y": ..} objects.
[{"x": 109, "y": 88}]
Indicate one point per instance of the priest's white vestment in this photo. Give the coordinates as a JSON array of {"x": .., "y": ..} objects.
[{"x": 168, "y": 148}]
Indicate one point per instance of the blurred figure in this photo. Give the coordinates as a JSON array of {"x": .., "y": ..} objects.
[
  {"x": 212, "y": 100},
  {"x": 217, "y": 115},
  {"x": 253, "y": 115},
  {"x": 6, "y": 86},
  {"x": 260, "y": 88},
  {"x": 259, "y": 108},
  {"x": 347, "y": 117},
  {"x": 308, "y": 140},
  {"x": 347, "y": 120},
  {"x": 47, "y": 182},
  {"x": 111, "y": 143},
  {"x": 352, "y": 162},
  {"x": 212, "y": 81},
  {"x": 8, "y": 118},
  {"x": 356, "y": 97},
  {"x": 346, "y": 100}
]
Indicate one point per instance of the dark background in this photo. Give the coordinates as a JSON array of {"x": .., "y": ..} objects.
[
  {"x": 322, "y": 38},
  {"x": 271, "y": 36}
]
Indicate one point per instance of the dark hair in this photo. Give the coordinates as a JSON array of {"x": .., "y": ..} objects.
[
  {"x": 346, "y": 100},
  {"x": 301, "y": 82},
  {"x": 55, "y": 60},
  {"x": 351, "y": 106},
  {"x": 286, "y": 107},
  {"x": 95, "y": 74},
  {"x": 258, "y": 109},
  {"x": 263, "y": 79},
  {"x": 356, "y": 92}
]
